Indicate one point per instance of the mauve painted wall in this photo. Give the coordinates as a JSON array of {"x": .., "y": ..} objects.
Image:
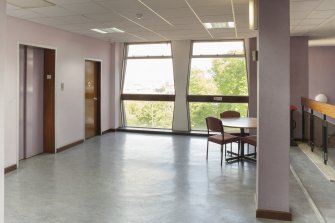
[
  {"x": 2, "y": 84},
  {"x": 71, "y": 52},
  {"x": 322, "y": 72},
  {"x": 299, "y": 77},
  {"x": 321, "y": 80}
]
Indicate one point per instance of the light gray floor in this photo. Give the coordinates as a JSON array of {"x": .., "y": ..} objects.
[{"x": 127, "y": 177}]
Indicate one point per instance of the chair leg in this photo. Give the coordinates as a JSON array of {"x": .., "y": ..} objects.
[
  {"x": 207, "y": 151},
  {"x": 221, "y": 154}
]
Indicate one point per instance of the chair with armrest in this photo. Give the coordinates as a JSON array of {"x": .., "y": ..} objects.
[{"x": 215, "y": 125}]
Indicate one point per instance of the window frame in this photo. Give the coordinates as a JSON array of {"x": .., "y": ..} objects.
[
  {"x": 215, "y": 98},
  {"x": 144, "y": 97}
]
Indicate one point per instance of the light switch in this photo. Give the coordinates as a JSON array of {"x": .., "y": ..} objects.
[
  {"x": 62, "y": 86},
  {"x": 49, "y": 77}
]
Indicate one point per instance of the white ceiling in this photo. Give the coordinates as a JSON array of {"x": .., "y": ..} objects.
[{"x": 169, "y": 19}]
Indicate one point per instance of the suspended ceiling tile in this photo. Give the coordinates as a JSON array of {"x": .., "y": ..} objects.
[
  {"x": 48, "y": 21},
  {"x": 122, "y": 5},
  {"x": 11, "y": 7},
  {"x": 205, "y": 11},
  {"x": 53, "y": 11},
  {"x": 304, "y": 5},
  {"x": 321, "y": 14},
  {"x": 311, "y": 21},
  {"x": 215, "y": 3},
  {"x": 176, "y": 12},
  {"x": 24, "y": 14},
  {"x": 29, "y": 3},
  {"x": 64, "y": 2},
  {"x": 164, "y": 4},
  {"x": 102, "y": 17},
  {"x": 298, "y": 15},
  {"x": 86, "y": 8},
  {"x": 327, "y": 5},
  {"x": 75, "y": 19}
]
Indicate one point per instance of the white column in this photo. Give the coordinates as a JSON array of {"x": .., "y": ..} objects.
[
  {"x": 251, "y": 45},
  {"x": 2, "y": 73},
  {"x": 181, "y": 62},
  {"x": 116, "y": 69},
  {"x": 273, "y": 110}
]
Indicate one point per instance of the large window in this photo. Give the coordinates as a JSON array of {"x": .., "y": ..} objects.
[
  {"x": 218, "y": 81},
  {"x": 148, "y": 86}
]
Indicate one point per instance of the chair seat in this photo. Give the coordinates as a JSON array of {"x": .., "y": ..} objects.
[
  {"x": 252, "y": 140},
  {"x": 227, "y": 138}
]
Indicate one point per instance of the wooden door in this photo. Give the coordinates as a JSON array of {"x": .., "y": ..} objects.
[
  {"x": 92, "y": 98},
  {"x": 49, "y": 101}
]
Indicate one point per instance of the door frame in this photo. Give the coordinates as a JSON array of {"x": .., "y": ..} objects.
[
  {"x": 99, "y": 61},
  {"x": 18, "y": 92}
]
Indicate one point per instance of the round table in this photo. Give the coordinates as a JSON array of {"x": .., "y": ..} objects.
[{"x": 241, "y": 123}]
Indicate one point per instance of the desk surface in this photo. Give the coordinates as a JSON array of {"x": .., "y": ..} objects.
[{"x": 248, "y": 123}]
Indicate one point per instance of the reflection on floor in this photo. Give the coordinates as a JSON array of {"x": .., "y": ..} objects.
[{"x": 128, "y": 177}]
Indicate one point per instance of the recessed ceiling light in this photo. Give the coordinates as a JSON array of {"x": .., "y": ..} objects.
[
  {"x": 30, "y": 3},
  {"x": 108, "y": 30},
  {"x": 219, "y": 25}
]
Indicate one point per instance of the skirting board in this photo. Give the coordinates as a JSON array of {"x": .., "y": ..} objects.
[
  {"x": 108, "y": 131},
  {"x": 275, "y": 215},
  {"x": 63, "y": 148},
  {"x": 10, "y": 168}
]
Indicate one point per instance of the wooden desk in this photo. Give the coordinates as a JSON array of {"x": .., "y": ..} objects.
[{"x": 242, "y": 124}]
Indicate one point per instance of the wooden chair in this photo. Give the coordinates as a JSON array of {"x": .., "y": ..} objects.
[
  {"x": 250, "y": 140},
  {"x": 235, "y": 132},
  {"x": 231, "y": 114},
  {"x": 215, "y": 125}
]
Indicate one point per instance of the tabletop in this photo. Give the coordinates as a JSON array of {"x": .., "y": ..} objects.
[{"x": 244, "y": 122}]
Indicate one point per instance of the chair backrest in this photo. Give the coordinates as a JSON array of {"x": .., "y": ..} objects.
[
  {"x": 214, "y": 125},
  {"x": 230, "y": 114}
]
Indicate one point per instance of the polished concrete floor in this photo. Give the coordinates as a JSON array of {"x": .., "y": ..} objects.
[{"x": 128, "y": 177}]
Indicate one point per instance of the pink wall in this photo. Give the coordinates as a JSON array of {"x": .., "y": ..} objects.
[
  {"x": 2, "y": 69},
  {"x": 322, "y": 72},
  {"x": 71, "y": 52},
  {"x": 299, "y": 77}
]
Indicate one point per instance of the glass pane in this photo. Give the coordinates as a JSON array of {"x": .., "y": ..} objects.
[
  {"x": 157, "y": 49},
  {"x": 218, "y": 76},
  {"x": 149, "y": 76},
  {"x": 199, "y": 111},
  {"x": 149, "y": 114},
  {"x": 218, "y": 48}
]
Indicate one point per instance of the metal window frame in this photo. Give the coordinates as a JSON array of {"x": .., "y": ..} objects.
[
  {"x": 214, "y": 98},
  {"x": 144, "y": 97}
]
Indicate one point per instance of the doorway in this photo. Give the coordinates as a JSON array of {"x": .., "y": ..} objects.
[
  {"x": 92, "y": 98},
  {"x": 36, "y": 101}
]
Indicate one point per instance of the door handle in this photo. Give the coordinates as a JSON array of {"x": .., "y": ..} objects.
[{"x": 95, "y": 99}]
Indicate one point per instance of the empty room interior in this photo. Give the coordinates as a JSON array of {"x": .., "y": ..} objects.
[{"x": 170, "y": 111}]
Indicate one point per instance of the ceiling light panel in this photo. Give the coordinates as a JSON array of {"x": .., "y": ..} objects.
[
  {"x": 30, "y": 3},
  {"x": 219, "y": 25},
  {"x": 108, "y": 30}
]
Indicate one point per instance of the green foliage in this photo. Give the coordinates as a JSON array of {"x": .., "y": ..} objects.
[
  {"x": 227, "y": 76},
  {"x": 149, "y": 114}
]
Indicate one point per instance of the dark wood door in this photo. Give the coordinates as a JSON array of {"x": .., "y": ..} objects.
[
  {"x": 49, "y": 101},
  {"x": 92, "y": 98}
]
